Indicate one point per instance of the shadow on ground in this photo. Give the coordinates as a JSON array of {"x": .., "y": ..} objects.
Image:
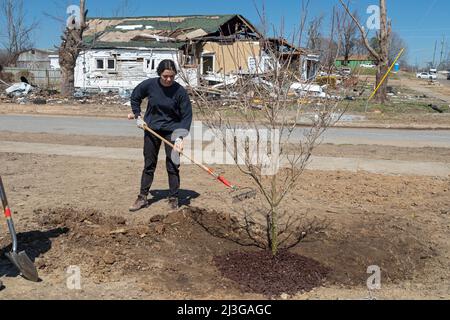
[
  {"x": 185, "y": 196},
  {"x": 34, "y": 243}
]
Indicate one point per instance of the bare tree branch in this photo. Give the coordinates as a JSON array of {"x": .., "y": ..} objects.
[
  {"x": 14, "y": 30},
  {"x": 372, "y": 51}
]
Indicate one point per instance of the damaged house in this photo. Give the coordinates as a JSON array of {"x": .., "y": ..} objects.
[
  {"x": 122, "y": 52},
  {"x": 305, "y": 61},
  {"x": 37, "y": 59}
]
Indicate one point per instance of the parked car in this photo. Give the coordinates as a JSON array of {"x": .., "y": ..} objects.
[
  {"x": 367, "y": 65},
  {"x": 345, "y": 71},
  {"x": 426, "y": 75}
]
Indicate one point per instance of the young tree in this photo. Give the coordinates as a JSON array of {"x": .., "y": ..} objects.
[
  {"x": 266, "y": 144},
  {"x": 14, "y": 29},
  {"x": 382, "y": 55},
  {"x": 70, "y": 48}
]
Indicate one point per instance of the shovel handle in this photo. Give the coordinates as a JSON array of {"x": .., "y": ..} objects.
[
  {"x": 3, "y": 195},
  {"x": 209, "y": 170},
  {"x": 7, "y": 212}
]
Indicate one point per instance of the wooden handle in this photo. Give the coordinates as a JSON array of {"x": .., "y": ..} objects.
[{"x": 3, "y": 195}]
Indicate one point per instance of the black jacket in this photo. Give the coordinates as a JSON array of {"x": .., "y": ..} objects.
[{"x": 168, "y": 109}]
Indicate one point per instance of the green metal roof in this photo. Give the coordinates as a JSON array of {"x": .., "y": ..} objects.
[
  {"x": 135, "y": 44},
  {"x": 209, "y": 23}
]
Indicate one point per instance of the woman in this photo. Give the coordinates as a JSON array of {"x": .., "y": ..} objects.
[{"x": 169, "y": 113}]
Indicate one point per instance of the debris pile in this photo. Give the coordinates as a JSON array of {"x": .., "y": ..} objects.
[{"x": 24, "y": 93}]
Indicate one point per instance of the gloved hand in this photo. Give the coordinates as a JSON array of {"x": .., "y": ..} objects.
[
  {"x": 179, "y": 144},
  {"x": 140, "y": 123}
]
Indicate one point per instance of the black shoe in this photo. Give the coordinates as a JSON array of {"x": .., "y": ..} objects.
[
  {"x": 141, "y": 202},
  {"x": 173, "y": 203}
]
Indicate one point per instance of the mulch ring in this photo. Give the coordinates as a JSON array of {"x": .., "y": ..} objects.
[{"x": 260, "y": 272}]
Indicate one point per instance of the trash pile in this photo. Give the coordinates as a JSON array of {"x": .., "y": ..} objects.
[{"x": 24, "y": 93}]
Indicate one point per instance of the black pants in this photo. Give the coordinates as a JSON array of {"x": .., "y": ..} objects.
[{"x": 152, "y": 145}]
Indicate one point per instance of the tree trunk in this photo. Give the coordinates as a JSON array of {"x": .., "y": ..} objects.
[
  {"x": 381, "y": 95},
  {"x": 71, "y": 46},
  {"x": 382, "y": 57},
  {"x": 67, "y": 81},
  {"x": 274, "y": 217},
  {"x": 274, "y": 231}
]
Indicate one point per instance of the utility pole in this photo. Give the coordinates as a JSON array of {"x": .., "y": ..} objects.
[
  {"x": 442, "y": 49},
  {"x": 434, "y": 54}
]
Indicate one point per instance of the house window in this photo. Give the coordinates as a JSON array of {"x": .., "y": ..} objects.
[
  {"x": 207, "y": 64},
  {"x": 100, "y": 64},
  {"x": 111, "y": 64},
  {"x": 150, "y": 65}
]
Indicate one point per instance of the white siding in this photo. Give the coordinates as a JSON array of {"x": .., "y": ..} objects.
[{"x": 130, "y": 69}]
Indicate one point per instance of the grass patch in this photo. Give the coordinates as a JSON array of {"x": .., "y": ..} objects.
[{"x": 391, "y": 107}]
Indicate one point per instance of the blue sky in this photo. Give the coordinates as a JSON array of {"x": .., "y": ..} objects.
[{"x": 420, "y": 23}]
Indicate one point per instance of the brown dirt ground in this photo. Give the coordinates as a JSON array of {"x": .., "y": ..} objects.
[{"x": 74, "y": 211}]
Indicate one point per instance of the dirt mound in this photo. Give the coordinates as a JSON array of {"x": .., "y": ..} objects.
[
  {"x": 175, "y": 248},
  {"x": 261, "y": 272},
  {"x": 106, "y": 246},
  {"x": 190, "y": 252},
  {"x": 73, "y": 218}
]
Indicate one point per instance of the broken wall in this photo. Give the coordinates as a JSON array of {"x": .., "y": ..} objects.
[
  {"x": 232, "y": 57},
  {"x": 95, "y": 69}
]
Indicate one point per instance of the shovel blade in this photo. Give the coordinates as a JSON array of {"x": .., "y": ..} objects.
[{"x": 24, "y": 264}]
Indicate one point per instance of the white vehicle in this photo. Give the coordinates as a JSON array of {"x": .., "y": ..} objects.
[
  {"x": 426, "y": 75},
  {"x": 345, "y": 71},
  {"x": 367, "y": 65}
]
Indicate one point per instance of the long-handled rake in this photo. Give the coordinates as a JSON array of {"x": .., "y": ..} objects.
[
  {"x": 239, "y": 194},
  {"x": 19, "y": 259}
]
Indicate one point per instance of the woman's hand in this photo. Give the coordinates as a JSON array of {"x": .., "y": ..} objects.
[
  {"x": 179, "y": 144},
  {"x": 140, "y": 123}
]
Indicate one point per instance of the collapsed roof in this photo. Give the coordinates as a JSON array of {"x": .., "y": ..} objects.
[{"x": 166, "y": 31}]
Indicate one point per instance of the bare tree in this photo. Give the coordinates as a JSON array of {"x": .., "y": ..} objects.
[
  {"x": 267, "y": 100},
  {"x": 396, "y": 44},
  {"x": 349, "y": 34},
  {"x": 331, "y": 45},
  {"x": 124, "y": 8},
  {"x": 71, "y": 46},
  {"x": 381, "y": 56},
  {"x": 315, "y": 34},
  {"x": 303, "y": 18},
  {"x": 16, "y": 32}
]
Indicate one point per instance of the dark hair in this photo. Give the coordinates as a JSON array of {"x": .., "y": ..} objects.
[{"x": 166, "y": 65}]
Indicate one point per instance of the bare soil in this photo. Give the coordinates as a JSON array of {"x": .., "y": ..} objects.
[{"x": 73, "y": 211}]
